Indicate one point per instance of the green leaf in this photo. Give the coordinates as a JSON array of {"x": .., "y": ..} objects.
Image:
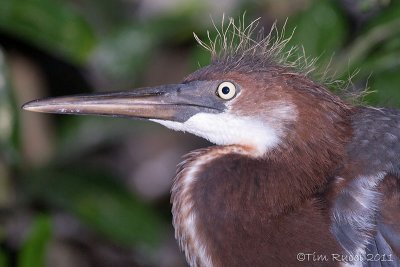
[
  {"x": 119, "y": 217},
  {"x": 390, "y": 13},
  {"x": 320, "y": 29},
  {"x": 3, "y": 259},
  {"x": 378, "y": 39},
  {"x": 33, "y": 252},
  {"x": 9, "y": 117},
  {"x": 52, "y": 25},
  {"x": 375, "y": 54},
  {"x": 122, "y": 56},
  {"x": 99, "y": 202},
  {"x": 386, "y": 87}
]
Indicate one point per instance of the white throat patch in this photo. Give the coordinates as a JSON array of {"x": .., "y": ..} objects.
[{"x": 228, "y": 129}]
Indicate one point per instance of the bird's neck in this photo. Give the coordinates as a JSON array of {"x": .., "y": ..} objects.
[
  {"x": 222, "y": 192},
  {"x": 222, "y": 186}
]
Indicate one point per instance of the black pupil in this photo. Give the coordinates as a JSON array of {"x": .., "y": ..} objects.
[{"x": 225, "y": 90}]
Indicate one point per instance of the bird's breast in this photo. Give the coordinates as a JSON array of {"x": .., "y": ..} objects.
[{"x": 229, "y": 211}]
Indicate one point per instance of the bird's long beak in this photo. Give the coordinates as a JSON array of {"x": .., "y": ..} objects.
[{"x": 176, "y": 102}]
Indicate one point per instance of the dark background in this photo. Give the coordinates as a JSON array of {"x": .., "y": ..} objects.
[{"x": 88, "y": 191}]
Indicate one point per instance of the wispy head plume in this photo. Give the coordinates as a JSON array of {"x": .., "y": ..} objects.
[{"x": 238, "y": 45}]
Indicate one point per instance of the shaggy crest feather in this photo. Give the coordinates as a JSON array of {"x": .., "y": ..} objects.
[
  {"x": 246, "y": 47},
  {"x": 238, "y": 46}
]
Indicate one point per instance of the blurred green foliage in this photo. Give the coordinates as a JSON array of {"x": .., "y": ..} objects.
[
  {"x": 103, "y": 37},
  {"x": 3, "y": 259},
  {"x": 371, "y": 53},
  {"x": 9, "y": 117},
  {"x": 53, "y": 25},
  {"x": 34, "y": 250},
  {"x": 321, "y": 30},
  {"x": 99, "y": 201}
]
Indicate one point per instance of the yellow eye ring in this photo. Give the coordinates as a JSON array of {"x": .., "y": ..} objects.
[{"x": 226, "y": 90}]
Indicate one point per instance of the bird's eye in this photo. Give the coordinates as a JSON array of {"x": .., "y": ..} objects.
[{"x": 226, "y": 90}]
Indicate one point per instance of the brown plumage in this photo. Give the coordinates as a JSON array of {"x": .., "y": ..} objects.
[{"x": 296, "y": 170}]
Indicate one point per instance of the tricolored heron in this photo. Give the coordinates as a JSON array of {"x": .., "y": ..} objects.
[{"x": 298, "y": 177}]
